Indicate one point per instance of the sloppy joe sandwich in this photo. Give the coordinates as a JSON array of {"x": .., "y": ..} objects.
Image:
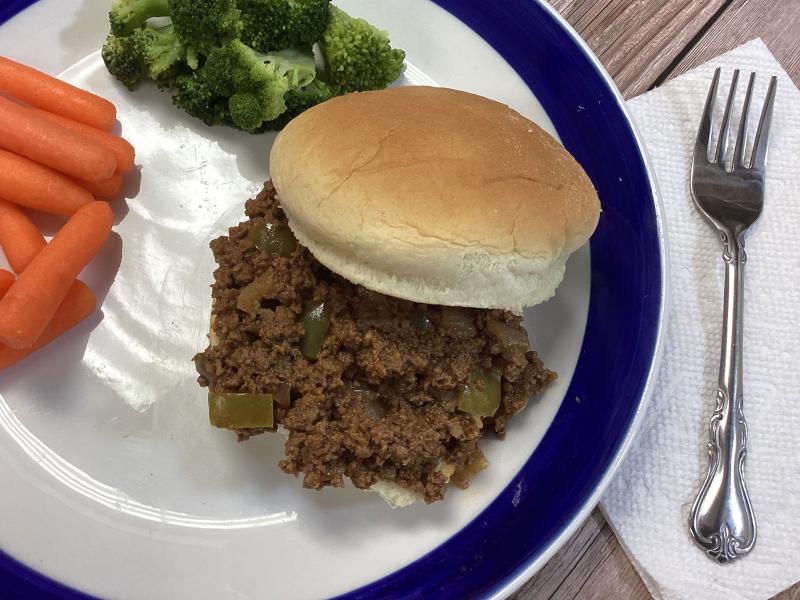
[{"x": 369, "y": 304}]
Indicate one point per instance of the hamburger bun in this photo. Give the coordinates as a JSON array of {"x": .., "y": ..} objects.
[{"x": 434, "y": 195}]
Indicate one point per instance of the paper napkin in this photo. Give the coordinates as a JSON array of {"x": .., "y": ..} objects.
[{"x": 648, "y": 502}]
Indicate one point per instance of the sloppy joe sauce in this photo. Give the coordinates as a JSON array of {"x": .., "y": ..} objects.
[{"x": 380, "y": 400}]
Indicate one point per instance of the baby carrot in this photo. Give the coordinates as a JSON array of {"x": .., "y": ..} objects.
[
  {"x": 6, "y": 279},
  {"x": 29, "y": 135},
  {"x": 20, "y": 239},
  {"x": 27, "y": 183},
  {"x": 109, "y": 189},
  {"x": 48, "y": 93},
  {"x": 122, "y": 149},
  {"x": 32, "y": 301},
  {"x": 78, "y": 304}
]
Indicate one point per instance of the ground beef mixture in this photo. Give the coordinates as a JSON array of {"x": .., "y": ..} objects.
[{"x": 380, "y": 400}]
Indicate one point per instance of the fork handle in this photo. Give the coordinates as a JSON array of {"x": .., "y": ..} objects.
[{"x": 722, "y": 520}]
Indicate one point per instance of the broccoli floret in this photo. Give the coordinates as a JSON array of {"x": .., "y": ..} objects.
[
  {"x": 203, "y": 25},
  {"x": 358, "y": 56},
  {"x": 260, "y": 81},
  {"x": 195, "y": 96},
  {"x": 301, "y": 99},
  {"x": 254, "y": 83},
  {"x": 279, "y": 24},
  {"x": 147, "y": 51},
  {"x": 164, "y": 53},
  {"x": 243, "y": 88},
  {"x": 124, "y": 58},
  {"x": 127, "y": 15}
]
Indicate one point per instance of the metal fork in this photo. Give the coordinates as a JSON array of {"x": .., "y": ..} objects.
[{"x": 731, "y": 198}]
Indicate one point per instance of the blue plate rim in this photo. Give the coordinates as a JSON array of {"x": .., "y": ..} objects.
[
  {"x": 44, "y": 585},
  {"x": 516, "y": 581}
]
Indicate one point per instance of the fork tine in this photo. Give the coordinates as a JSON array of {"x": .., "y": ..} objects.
[
  {"x": 761, "y": 143},
  {"x": 703, "y": 141},
  {"x": 722, "y": 143},
  {"x": 741, "y": 136}
]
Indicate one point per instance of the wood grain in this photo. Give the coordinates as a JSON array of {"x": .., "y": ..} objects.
[
  {"x": 776, "y": 22},
  {"x": 636, "y": 40},
  {"x": 643, "y": 43},
  {"x": 591, "y": 565},
  {"x": 793, "y": 593}
]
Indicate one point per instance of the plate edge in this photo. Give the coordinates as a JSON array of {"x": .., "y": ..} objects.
[{"x": 514, "y": 582}]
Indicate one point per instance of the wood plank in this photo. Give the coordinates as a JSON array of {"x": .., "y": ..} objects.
[
  {"x": 562, "y": 6},
  {"x": 793, "y": 593},
  {"x": 592, "y": 565},
  {"x": 777, "y": 22},
  {"x": 637, "y": 40}
]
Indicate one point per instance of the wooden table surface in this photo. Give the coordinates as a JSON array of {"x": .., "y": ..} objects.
[{"x": 643, "y": 43}]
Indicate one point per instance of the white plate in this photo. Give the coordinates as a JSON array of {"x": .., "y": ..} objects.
[{"x": 117, "y": 484}]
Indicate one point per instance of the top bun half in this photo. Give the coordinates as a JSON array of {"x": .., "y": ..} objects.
[{"x": 434, "y": 195}]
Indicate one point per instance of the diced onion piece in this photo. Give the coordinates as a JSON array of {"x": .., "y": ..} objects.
[
  {"x": 458, "y": 321},
  {"x": 251, "y": 295},
  {"x": 373, "y": 405},
  {"x": 510, "y": 337},
  {"x": 446, "y": 469},
  {"x": 363, "y": 392},
  {"x": 476, "y": 463},
  {"x": 202, "y": 369},
  {"x": 240, "y": 411}
]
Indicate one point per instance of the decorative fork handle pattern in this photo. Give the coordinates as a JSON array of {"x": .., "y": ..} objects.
[{"x": 722, "y": 520}]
